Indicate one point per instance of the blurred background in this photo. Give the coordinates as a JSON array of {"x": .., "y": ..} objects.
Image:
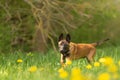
[{"x": 34, "y": 25}]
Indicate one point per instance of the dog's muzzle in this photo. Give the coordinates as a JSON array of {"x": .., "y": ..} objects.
[{"x": 65, "y": 53}]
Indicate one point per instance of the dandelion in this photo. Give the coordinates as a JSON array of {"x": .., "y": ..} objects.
[
  {"x": 119, "y": 62},
  {"x": 115, "y": 76},
  {"x": 32, "y": 69},
  {"x": 19, "y": 60},
  {"x": 102, "y": 60},
  {"x": 96, "y": 64},
  {"x": 108, "y": 61},
  {"x": 76, "y": 74},
  {"x": 62, "y": 73},
  {"x": 68, "y": 62},
  {"x": 60, "y": 70},
  {"x": 113, "y": 68},
  {"x": 104, "y": 76},
  {"x": 75, "y": 71},
  {"x": 88, "y": 66}
]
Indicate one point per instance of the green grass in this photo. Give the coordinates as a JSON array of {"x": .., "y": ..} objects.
[{"x": 48, "y": 65}]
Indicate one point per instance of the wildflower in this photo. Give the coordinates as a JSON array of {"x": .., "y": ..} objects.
[
  {"x": 19, "y": 60},
  {"x": 115, "y": 76},
  {"x": 76, "y": 74},
  {"x": 88, "y": 66},
  {"x": 60, "y": 70},
  {"x": 62, "y": 73},
  {"x": 108, "y": 61},
  {"x": 96, "y": 64},
  {"x": 102, "y": 60},
  {"x": 68, "y": 62},
  {"x": 119, "y": 62},
  {"x": 104, "y": 76},
  {"x": 33, "y": 69},
  {"x": 113, "y": 68},
  {"x": 76, "y": 71}
]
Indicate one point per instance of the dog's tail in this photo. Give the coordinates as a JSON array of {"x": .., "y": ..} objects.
[{"x": 100, "y": 42}]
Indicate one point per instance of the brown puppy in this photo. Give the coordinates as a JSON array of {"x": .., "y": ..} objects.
[{"x": 71, "y": 51}]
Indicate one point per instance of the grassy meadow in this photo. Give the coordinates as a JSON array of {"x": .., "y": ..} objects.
[
  {"x": 35, "y": 66},
  {"x": 28, "y": 25}
]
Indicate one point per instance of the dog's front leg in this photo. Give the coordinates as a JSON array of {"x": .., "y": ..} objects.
[
  {"x": 68, "y": 59},
  {"x": 62, "y": 59}
]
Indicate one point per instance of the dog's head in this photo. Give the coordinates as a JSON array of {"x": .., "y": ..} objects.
[{"x": 63, "y": 44}]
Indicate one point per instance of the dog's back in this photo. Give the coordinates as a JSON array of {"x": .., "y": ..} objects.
[{"x": 80, "y": 50}]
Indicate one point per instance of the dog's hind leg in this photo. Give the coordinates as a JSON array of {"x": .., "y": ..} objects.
[{"x": 91, "y": 55}]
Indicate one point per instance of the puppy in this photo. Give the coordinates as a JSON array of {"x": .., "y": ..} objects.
[{"x": 72, "y": 51}]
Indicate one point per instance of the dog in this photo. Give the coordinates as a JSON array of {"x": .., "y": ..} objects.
[{"x": 72, "y": 51}]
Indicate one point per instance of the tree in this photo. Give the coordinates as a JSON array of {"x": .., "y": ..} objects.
[{"x": 55, "y": 16}]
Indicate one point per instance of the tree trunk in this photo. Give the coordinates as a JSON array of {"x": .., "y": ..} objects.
[{"x": 38, "y": 42}]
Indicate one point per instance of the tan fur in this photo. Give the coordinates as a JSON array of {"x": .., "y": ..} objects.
[
  {"x": 72, "y": 51},
  {"x": 78, "y": 51}
]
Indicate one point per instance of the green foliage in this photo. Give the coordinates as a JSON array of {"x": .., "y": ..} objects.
[
  {"x": 5, "y": 37},
  {"x": 16, "y": 26},
  {"x": 98, "y": 26},
  {"x": 93, "y": 19}
]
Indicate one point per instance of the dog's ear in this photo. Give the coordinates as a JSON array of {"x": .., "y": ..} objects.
[
  {"x": 68, "y": 38},
  {"x": 60, "y": 37}
]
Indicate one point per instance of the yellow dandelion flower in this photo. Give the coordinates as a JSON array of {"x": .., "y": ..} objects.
[
  {"x": 115, "y": 76},
  {"x": 96, "y": 64},
  {"x": 19, "y": 60},
  {"x": 75, "y": 71},
  {"x": 76, "y": 74},
  {"x": 68, "y": 62},
  {"x": 102, "y": 60},
  {"x": 77, "y": 77},
  {"x": 104, "y": 76},
  {"x": 62, "y": 73},
  {"x": 32, "y": 69},
  {"x": 60, "y": 70},
  {"x": 113, "y": 68},
  {"x": 119, "y": 62},
  {"x": 88, "y": 66},
  {"x": 108, "y": 61}
]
